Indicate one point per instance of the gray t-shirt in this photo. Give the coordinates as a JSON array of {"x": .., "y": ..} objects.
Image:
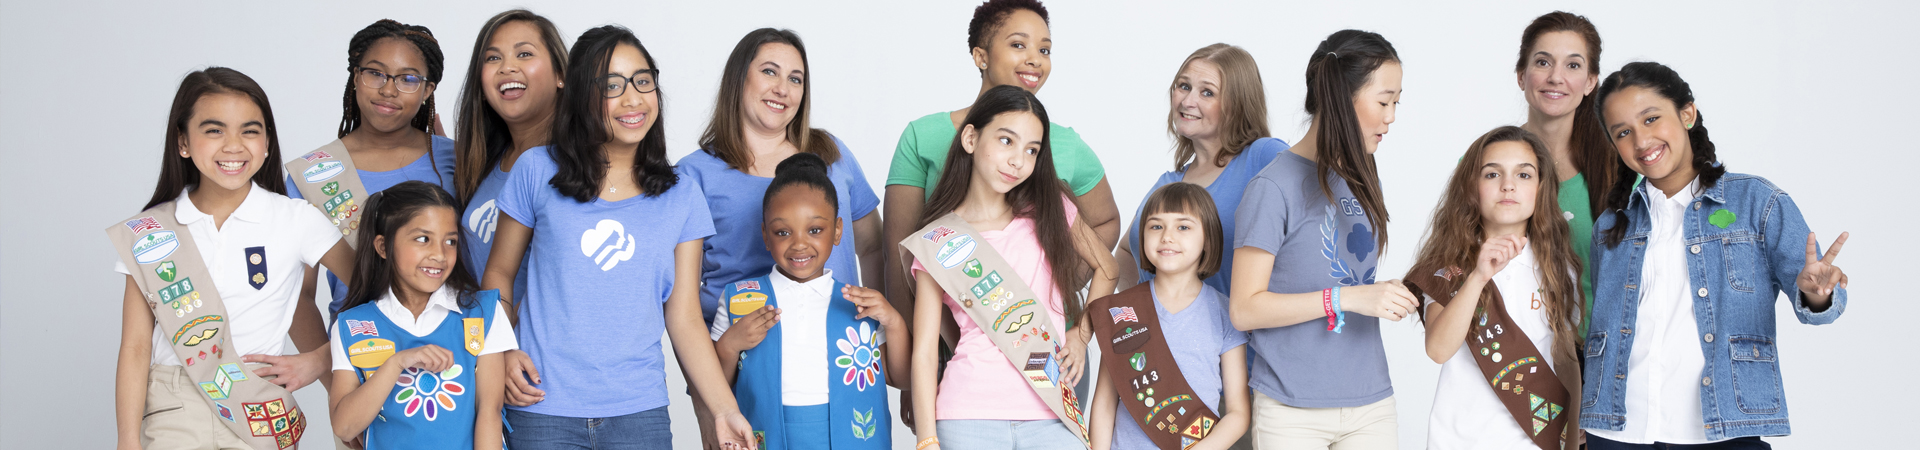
[
  {"x": 1197, "y": 335},
  {"x": 1316, "y": 245}
]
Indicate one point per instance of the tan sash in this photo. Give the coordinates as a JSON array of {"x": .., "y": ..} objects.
[
  {"x": 1146, "y": 377},
  {"x": 166, "y": 265},
  {"x": 1004, "y": 306},
  {"x": 328, "y": 180},
  {"x": 1540, "y": 398}
]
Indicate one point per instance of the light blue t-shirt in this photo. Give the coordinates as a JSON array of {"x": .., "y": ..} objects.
[
  {"x": 598, "y": 277},
  {"x": 1226, "y": 192},
  {"x": 737, "y": 251},
  {"x": 1316, "y": 244},
  {"x": 1197, "y": 335},
  {"x": 477, "y": 225},
  {"x": 434, "y": 167}
]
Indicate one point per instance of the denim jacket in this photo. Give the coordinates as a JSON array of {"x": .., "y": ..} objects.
[{"x": 1737, "y": 272}]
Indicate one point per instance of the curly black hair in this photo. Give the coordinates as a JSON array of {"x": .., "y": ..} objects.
[{"x": 988, "y": 17}]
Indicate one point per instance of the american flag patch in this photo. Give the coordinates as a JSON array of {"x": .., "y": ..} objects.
[
  {"x": 362, "y": 327},
  {"x": 937, "y": 234},
  {"x": 317, "y": 154},
  {"x": 143, "y": 224},
  {"x": 1123, "y": 313},
  {"x": 747, "y": 286}
]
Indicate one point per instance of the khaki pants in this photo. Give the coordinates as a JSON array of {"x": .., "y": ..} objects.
[
  {"x": 1278, "y": 426},
  {"x": 177, "y": 416}
]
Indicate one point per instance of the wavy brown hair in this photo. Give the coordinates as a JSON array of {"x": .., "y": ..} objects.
[
  {"x": 725, "y": 133},
  {"x": 1243, "y": 105},
  {"x": 1454, "y": 238},
  {"x": 1587, "y": 146}
]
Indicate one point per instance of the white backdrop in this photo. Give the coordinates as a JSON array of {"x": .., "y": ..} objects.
[{"x": 1805, "y": 93}]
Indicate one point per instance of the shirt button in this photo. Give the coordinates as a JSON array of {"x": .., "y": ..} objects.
[
  {"x": 1703, "y": 292},
  {"x": 1695, "y": 249},
  {"x": 1709, "y": 337},
  {"x": 1696, "y": 206},
  {"x": 1708, "y": 381}
]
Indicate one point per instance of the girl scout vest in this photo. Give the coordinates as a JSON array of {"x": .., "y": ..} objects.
[
  {"x": 412, "y": 419},
  {"x": 332, "y": 184},
  {"x": 166, "y": 265},
  {"x": 1005, "y": 307},
  {"x": 1146, "y": 378},
  {"x": 1541, "y": 399},
  {"x": 854, "y": 409}
]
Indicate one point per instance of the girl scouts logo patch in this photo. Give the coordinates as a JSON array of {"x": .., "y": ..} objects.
[
  {"x": 370, "y": 353},
  {"x": 155, "y": 247},
  {"x": 745, "y": 302},
  {"x": 323, "y": 171},
  {"x": 955, "y": 251},
  {"x": 257, "y": 267}
]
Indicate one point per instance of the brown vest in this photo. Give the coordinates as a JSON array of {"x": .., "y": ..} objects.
[
  {"x": 1144, "y": 373},
  {"x": 1541, "y": 399},
  {"x": 328, "y": 180},
  {"x": 165, "y": 264}
]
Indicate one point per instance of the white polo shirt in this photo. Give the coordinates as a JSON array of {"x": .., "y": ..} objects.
[
  {"x": 293, "y": 235},
  {"x": 499, "y": 336},
  {"x": 803, "y": 336},
  {"x": 1664, "y": 369}
]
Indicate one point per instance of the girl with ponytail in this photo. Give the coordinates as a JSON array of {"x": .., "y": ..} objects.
[
  {"x": 1308, "y": 234},
  {"x": 1693, "y": 258}
]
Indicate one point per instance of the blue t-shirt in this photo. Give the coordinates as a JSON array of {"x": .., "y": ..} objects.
[
  {"x": 1226, "y": 192},
  {"x": 1197, "y": 335},
  {"x": 737, "y": 251},
  {"x": 598, "y": 277},
  {"x": 434, "y": 167},
  {"x": 1316, "y": 244},
  {"x": 477, "y": 225}
]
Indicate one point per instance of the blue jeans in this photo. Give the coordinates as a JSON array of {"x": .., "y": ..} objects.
[
  {"x": 1745, "y": 443},
  {"x": 1048, "y": 434},
  {"x": 645, "y": 430}
]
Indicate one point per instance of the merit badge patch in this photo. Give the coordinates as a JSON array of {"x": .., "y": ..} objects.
[
  {"x": 257, "y": 267},
  {"x": 165, "y": 271},
  {"x": 1041, "y": 369},
  {"x": 331, "y": 188},
  {"x": 972, "y": 269},
  {"x": 194, "y": 323},
  {"x": 476, "y": 337},
  {"x": 225, "y": 412}
]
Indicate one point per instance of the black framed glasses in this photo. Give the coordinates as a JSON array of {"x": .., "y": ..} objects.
[
  {"x": 374, "y": 79},
  {"x": 615, "y": 85}
]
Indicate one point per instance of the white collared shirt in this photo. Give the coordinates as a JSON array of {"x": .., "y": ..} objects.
[
  {"x": 292, "y": 235},
  {"x": 1466, "y": 412},
  {"x": 1665, "y": 367},
  {"x": 803, "y": 336},
  {"x": 499, "y": 336}
]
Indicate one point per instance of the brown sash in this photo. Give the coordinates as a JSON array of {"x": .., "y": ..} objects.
[
  {"x": 328, "y": 180},
  {"x": 166, "y": 265},
  {"x": 1004, "y": 306},
  {"x": 1539, "y": 398},
  {"x": 1146, "y": 377}
]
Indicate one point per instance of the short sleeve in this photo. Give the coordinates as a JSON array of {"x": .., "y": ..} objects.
[
  {"x": 1074, "y": 161},
  {"x": 907, "y": 167},
  {"x": 318, "y": 236},
  {"x": 120, "y": 267},
  {"x": 293, "y": 192},
  {"x": 526, "y": 187},
  {"x": 1230, "y": 337},
  {"x": 1261, "y": 221},
  {"x": 699, "y": 224},
  {"x": 720, "y": 324},
  {"x": 860, "y": 195},
  {"x": 500, "y": 335},
  {"x": 340, "y": 361},
  {"x": 443, "y": 162}
]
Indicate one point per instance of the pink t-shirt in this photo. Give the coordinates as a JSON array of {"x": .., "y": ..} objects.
[{"x": 980, "y": 383}]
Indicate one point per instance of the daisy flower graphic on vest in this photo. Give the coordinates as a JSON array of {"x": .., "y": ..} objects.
[
  {"x": 429, "y": 392},
  {"x": 860, "y": 355}
]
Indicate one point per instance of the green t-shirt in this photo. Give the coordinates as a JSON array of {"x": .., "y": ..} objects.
[
  {"x": 922, "y": 154},
  {"x": 1578, "y": 210}
]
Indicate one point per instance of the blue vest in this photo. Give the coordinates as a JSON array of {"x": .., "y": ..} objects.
[
  {"x": 426, "y": 409},
  {"x": 857, "y": 386}
]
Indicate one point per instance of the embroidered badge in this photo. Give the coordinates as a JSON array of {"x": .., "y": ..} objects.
[
  {"x": 1722, "y": 218},
  {"x": 750, "y": 285},
  {"x": 316, "y": 155},
  {"x": 955, "y": 251},
  {"x": 1123, "y": 313},
  {"x": 180, "y": 296},
  {"x": 202, "y": 336},
  {"x": 331, "y": 188},
  {"x": 475, "y": 337},
  {"x": 863, "y": 426},
  {"x": 937, "y": 234},
  {"x": 370, "y": 353},
  {"x": 972, "y": 269},
  {"x": 233, "y": 371},
  {"x": 257, "y": 267},
  {"x": 165, "y": 271},
  {"x": 1041, "y": 370},
  {"x": 323, "y": 171},
  {"x": 1013, "y": 327},
  {"x": 362, "y": 328},
  {"x": 225, "y": 413},
  {"x": 860, "y": 356},
  {"x": 426, "y": 393},
  {"x": 143, "y": 224},
  {"x": 745, "y": 302},
  {"x": 986, "y": 285},
  {"x": 154, "y": 247},
  {"x": 194, "y": 323}
]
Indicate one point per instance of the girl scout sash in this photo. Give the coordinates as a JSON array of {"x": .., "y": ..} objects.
[
  {"x": 166, "y": 265},
  {"x": 1146, "y": 378},
  {"x": 1540, "y": 398},
  {"x": 855, "y": 356},
  {"x": 420, "y": 398},
  {"x": 992, "y": 294},
  {"x": 328, "y": 180}
]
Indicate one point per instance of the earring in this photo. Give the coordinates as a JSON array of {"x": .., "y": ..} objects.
[
  {"x": 1689, "y": 126},
  {"x": 183, "y": 154},
  {"x": 560, "y": 84}
]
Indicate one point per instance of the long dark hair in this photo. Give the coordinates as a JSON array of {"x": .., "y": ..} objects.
[
  {"x": 1588, "y": 146},
  {"x": 387, "y": 211},
  {"x": 579, "y": 122},
  {"x": 1454, "y": 239},
  {"x": 1667, "y": 83},
  {"x": 1339, "y": 67},
  {"x": 422, "y": 39},
  {"x": 1038, "y": 198},
  {"x": 481, "y": 136},
  {"x": 723, "y": 137},
  {"x": 178, "y": 173}
]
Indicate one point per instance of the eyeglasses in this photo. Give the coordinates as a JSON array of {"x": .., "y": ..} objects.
[
  {"x": 374, "y": 79},
  {"x": 616, "y": 84}
]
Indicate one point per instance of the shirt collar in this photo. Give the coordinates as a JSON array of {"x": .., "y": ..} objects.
[
  {"x": 1685, "y": 196},
  {"x": 822, "y": 285},
  {"x": 441, "y": 298},
  {"x": 251, "y": 209}
]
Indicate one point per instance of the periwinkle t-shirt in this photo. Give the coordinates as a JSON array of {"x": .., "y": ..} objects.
[
  {"x": 1197, "y": 335},
  {"x": 434, "y": 167},
  {"x": 1316, "y": 244},
  {"x": 477, "y": 225},
  {"x": 1226, "y": 191},
  {"x": 737, "y": 251},
  {"x": 598, "y": 276}
]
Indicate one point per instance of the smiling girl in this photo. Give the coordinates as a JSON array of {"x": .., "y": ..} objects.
[{"x": 506, "y": 108}]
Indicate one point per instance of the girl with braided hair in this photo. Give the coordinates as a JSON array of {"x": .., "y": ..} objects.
[{"x": 386, "y": 133}]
